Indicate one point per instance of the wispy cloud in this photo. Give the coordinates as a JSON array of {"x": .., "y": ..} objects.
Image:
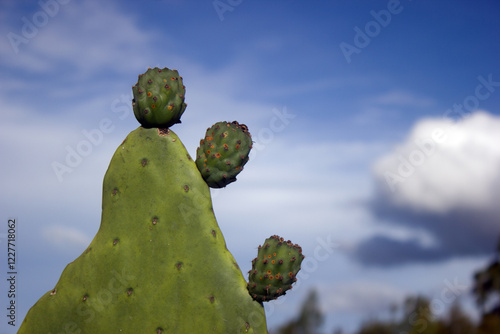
[
  {"x": 389, "y": 107},
  {"x": 401, "y": 98},
  {"x": 73, "y": 41},
  {"x": 64, "y": 237},
  {"x": 305, "y": 190},
  {"x": 361, "y": 296}
]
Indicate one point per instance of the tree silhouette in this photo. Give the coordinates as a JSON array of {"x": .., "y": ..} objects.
[
  {"x": 417, "y": 318},
  {"x": 487, "y": 286},
  {"x": 309, "y": 320},
  {"x": 458, "y": 322},
  {"x": 487, "y": 291}
]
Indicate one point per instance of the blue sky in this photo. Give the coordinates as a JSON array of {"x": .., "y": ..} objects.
[{"x": 381, "y": 162}]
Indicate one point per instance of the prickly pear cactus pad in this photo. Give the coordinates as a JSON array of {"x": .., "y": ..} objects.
[
  {"x": 158, "y": 263},
  {"x": 275, "y": 268},
  {"x": 159, "y": 98},
  {"x": 223, "y": 152}
]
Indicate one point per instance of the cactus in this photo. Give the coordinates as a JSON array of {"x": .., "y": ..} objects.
[
  {"x": 159, "y": 98},
  {"x": 159, "y": 262},
  {"x": 223, "y": 153},
  {"x": 275, "y": 268}
]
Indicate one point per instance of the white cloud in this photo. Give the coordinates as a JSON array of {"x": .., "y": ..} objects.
[
  {"x": 443, "y": 181},
  {"x": 442, "y": 166}
]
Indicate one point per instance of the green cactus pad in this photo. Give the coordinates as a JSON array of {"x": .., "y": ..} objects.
[
  {"x": 159, "y": 98},
  {"x": 223, "y": 153},
  {"x": 274, "y": 270},
  {"x": 159, "y": 262}
]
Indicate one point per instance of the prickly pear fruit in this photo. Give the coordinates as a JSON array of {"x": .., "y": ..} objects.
[
  {"x": 159, "y": 98},
  {"x": 159, "y": 262},
  {"x": 274, "y": 270},
  {"x": 223, "y": 153}
]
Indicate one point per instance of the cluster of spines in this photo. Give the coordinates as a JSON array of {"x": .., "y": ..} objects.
[
  {"x": 159, "y": 98},
  {"x": 223, "y": 153},
  {"x": 275, "y": 269}
]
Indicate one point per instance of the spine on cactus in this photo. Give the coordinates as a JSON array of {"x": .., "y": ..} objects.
[
  {"x": 223, "y": 153},
  {"x": 275, "y": 268}
]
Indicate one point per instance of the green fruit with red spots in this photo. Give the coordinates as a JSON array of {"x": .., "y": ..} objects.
[
  {"x": 223, "y": 153},
  {"x": 159, "y": 98},
  {"x": 275, "y": 268}
]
